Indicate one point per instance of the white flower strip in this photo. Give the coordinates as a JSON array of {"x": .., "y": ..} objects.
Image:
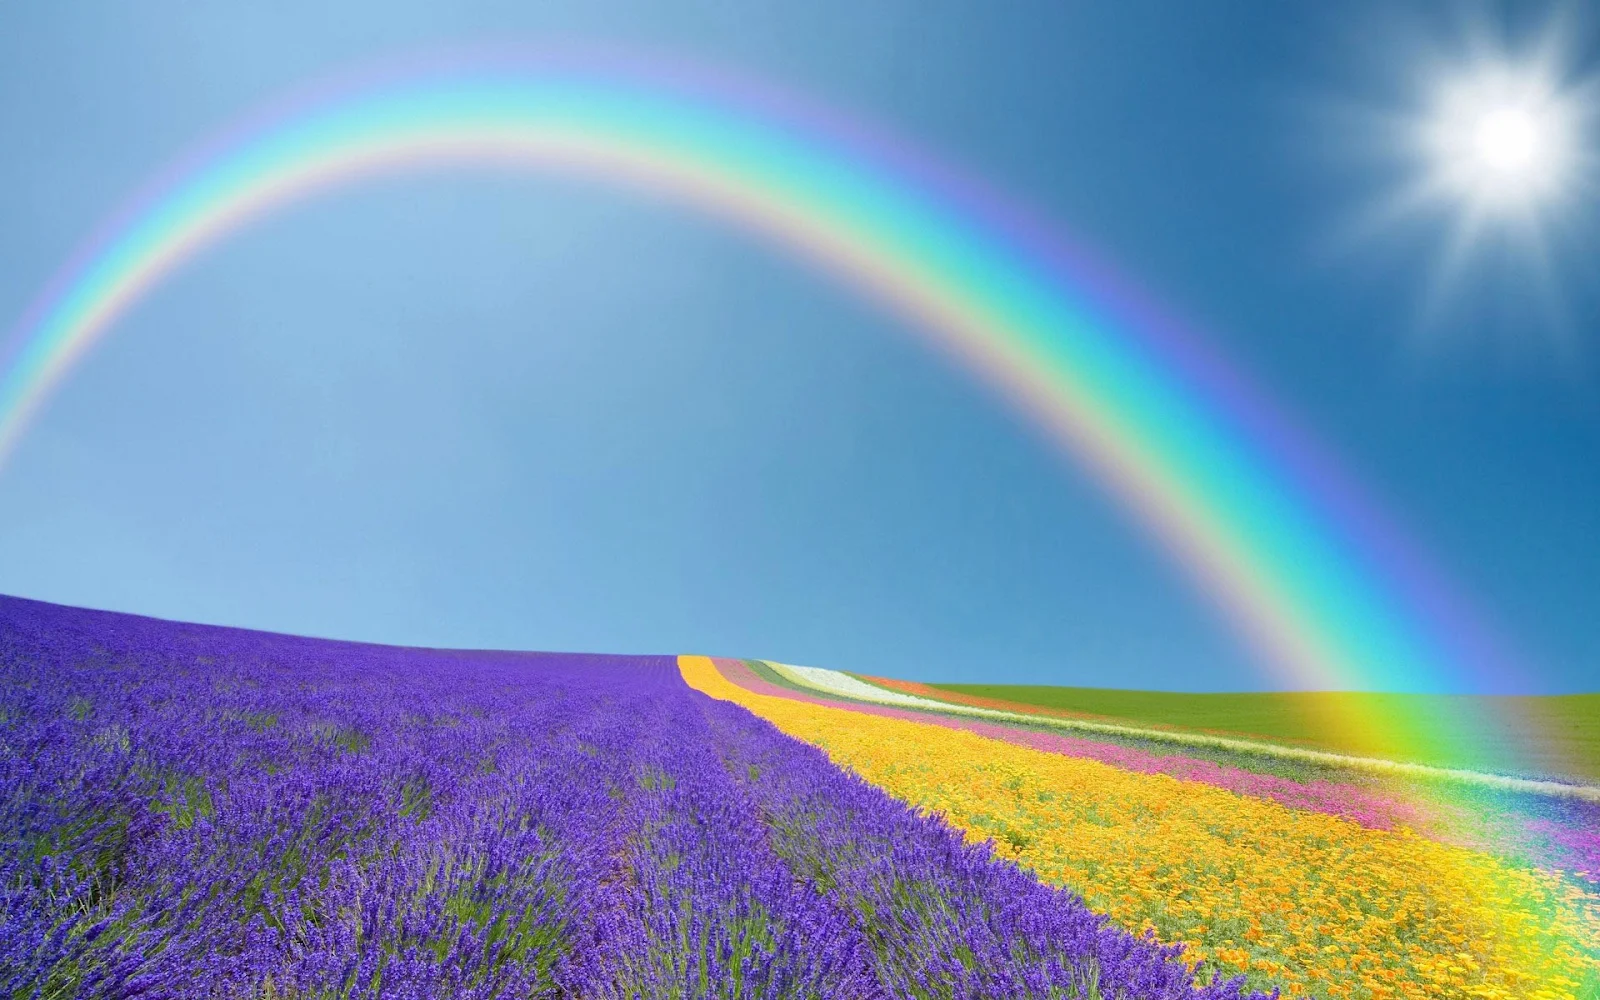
[{"x": 834, "y": 682}]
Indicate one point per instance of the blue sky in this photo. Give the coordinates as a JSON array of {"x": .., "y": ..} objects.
[{"x": 525, "y": 412}]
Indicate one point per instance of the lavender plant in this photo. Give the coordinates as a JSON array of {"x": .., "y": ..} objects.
[{"x": 204, "y": 812}]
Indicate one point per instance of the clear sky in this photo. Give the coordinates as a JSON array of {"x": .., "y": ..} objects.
[{"x": 526, "y": 412}]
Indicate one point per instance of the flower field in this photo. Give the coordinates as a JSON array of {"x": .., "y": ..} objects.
[
  {"x": 1303, "y": 898},
  {"x": 189, "y": 811},
  {"x": 1551, "y": 831}
]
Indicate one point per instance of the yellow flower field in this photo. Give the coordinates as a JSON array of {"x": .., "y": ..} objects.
[{"x": 1308, "y": 901}]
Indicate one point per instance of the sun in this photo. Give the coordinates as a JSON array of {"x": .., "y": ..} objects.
[
  {"x": 1484, "y": 152},
  {"x": 1500, "y": 139},
  {"x": 1511, "y": 142}
]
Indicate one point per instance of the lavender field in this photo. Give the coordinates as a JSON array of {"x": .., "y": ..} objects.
[{"x": 207, "y": 812}]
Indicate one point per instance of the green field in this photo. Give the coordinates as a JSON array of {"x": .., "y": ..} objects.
[{"x": 1567, "y": 726}]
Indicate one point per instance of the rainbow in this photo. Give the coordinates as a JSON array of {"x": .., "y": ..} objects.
[{"x": 1224, "y": 486}]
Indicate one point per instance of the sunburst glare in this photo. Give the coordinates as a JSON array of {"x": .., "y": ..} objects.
[
  {"x": 1493, "y": 155},
  {"x": 1501, "y": 139}
]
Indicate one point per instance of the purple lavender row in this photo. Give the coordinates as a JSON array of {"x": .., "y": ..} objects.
[{"x": 202, "y": 812}]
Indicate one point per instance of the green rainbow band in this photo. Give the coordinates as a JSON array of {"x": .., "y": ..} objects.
[{"x": 1284, "y": 576}]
